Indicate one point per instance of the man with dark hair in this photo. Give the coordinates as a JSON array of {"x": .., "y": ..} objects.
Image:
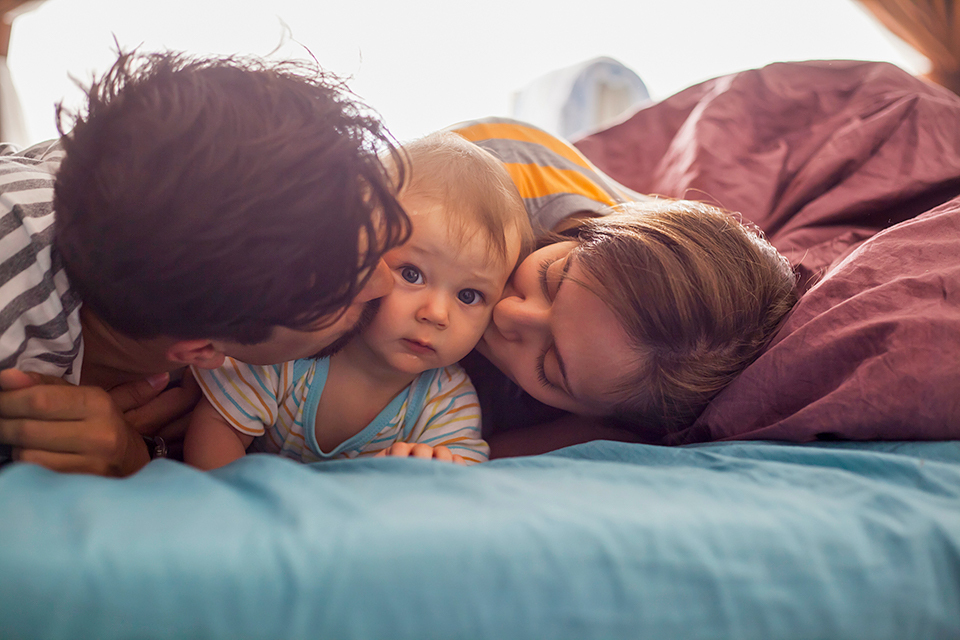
[{"x": 198, "y": 208}]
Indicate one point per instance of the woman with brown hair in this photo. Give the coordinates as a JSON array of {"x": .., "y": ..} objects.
[
  {"x": 642, "y": 315},
  {"x": 641, "y": 309}
]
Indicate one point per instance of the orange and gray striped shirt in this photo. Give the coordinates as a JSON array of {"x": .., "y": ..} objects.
[
  {"x": 553, "y": 178},
  {"x": 277, "y": 404}
]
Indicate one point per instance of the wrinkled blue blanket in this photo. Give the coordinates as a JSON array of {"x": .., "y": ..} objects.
[{"x": 602, "y": 540}]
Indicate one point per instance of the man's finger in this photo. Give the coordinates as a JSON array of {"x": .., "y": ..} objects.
[
  {"x": 62, "y": 436},
  {"x": 56, "y": 402},
  {"x": 173, "y": 431},
  {"x": 13, "y": 379},
  {"x": 170, "y": 405},
  {"x": 66, "y": 462},
  {"x": 137, "y": 393}
]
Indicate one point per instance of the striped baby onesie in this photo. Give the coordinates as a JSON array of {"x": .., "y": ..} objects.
[{"x": 277, "y": 404}]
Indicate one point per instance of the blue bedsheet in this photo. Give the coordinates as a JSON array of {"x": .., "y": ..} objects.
[{"x": 602, "y": 540}]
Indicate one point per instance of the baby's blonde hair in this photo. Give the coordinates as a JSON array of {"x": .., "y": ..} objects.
[{"x": 472, "y": 185}]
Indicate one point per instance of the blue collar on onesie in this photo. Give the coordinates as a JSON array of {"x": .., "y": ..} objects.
[{"x": 415, "y": 394}]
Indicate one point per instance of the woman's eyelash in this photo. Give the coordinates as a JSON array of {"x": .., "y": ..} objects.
[
  {"x": 542, "y": 373},
  {"x": 542, "y": 277}
]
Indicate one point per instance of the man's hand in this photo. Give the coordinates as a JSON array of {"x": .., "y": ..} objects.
[
  {"x": 420, "y": 450},
  {"x": 166, "y": 415},
  {"x": 85, "y": 429}
]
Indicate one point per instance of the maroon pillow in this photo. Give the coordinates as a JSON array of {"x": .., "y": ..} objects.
[
  {"x": 872, "y": 351},
  {"x": 852, "y": 170}
]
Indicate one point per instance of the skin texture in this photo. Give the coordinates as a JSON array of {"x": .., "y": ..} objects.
[{"x": 538, "y": 337}]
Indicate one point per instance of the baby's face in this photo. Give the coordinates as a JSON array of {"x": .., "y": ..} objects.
[{"x": 444, "y": 292}]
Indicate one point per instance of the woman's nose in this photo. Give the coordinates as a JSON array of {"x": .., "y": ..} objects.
[
  {"x": 517, "y": 317},
  {"x": 434, "y": 310}
]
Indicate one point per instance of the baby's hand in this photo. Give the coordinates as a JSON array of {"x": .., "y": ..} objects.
[{"x": 420, "y": 450}]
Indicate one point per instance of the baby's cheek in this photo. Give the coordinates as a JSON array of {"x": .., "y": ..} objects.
[
  {"x": 487, "y": 318},
  {"x": 477, "y": 326}
]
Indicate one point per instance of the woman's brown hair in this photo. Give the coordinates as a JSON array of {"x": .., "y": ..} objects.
[{"x": 699, "y": 293}]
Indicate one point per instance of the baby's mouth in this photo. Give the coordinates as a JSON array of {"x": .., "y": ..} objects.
[{"x": 416, "y": 345}]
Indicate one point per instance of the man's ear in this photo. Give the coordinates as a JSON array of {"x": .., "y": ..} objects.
[{"x": 199, "y": 353}]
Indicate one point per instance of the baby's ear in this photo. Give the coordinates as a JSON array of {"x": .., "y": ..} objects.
[{"x": 198, "y": 353}]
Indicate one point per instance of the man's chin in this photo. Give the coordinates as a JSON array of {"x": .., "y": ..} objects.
[{"x": 369, "y": 313}]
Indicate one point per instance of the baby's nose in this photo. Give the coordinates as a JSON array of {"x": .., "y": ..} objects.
[{"x": 435, "y": 311}]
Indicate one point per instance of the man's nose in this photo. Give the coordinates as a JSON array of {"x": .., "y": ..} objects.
[{"x": 379, "y": 284}]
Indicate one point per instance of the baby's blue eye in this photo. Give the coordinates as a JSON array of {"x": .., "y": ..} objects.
[
  {"x": 470, "y": 296},
  {"x": 411, "y": 275}
]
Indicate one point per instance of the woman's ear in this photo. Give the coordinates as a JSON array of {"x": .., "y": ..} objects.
[{"x": 199, "y": 353}]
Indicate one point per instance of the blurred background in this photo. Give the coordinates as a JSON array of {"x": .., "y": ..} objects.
[{"x": 424, "y": 64}]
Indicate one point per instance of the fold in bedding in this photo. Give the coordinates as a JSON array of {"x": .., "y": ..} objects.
[{"x": 852, "y": 169}]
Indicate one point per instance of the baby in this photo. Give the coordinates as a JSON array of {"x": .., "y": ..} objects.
[{"x": 395, "y": 389}]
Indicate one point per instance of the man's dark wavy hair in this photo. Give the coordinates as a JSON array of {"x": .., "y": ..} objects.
[{"x": 221, "y": 197}]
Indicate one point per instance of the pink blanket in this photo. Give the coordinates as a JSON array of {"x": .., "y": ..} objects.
[{"x": 853, "y": 171}]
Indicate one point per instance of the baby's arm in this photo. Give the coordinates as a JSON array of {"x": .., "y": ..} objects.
[
  {"x": 448, "y": 427},
  {"x": 211, "y": 441},
  {"x": 239, "y": 401}
]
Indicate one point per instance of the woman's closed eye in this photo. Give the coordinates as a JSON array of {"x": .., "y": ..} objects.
[
  {"x": 548, "y": 276},
  {"x": 542, "y": 372},
  {"x": 542, "y": 277}
]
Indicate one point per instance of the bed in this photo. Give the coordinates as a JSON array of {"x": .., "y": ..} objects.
[{"x": 817, "y": 497}]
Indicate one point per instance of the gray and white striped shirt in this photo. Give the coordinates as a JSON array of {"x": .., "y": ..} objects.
[{"x": 39, "y": 312}]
